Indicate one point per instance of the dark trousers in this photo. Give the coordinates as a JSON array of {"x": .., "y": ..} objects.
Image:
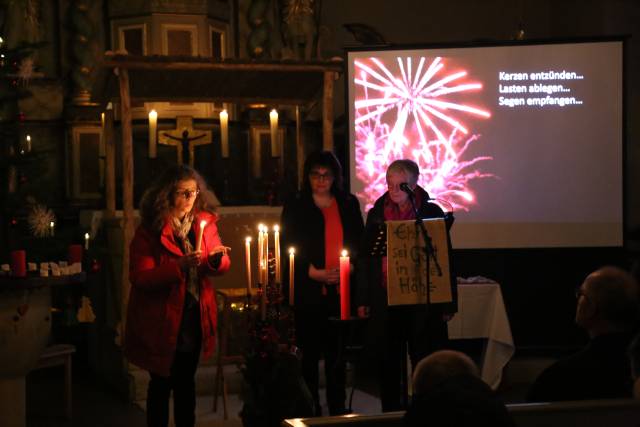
[
  {"x": 318, "y": 339},
  {"x": 182, "y": 383},
  {"x": 410, "y": 329}
]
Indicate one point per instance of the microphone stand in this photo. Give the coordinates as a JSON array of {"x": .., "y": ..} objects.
[{"x": 429, "y": 252}]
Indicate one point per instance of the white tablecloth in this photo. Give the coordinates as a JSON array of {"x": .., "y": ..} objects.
[{"x": 481, "y": 314}]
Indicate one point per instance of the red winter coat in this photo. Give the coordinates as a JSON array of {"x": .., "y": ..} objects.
[{"x": 156, "y": 299}]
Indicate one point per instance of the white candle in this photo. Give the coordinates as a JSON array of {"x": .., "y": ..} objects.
[
  {"x": 52, "y": 228},
  {"x": 260, "y": 252},
  {"x": 101, "y": 147},
  {"x": 86, "y": 241},
  {"x": 153, "y": 127},
  {"x": 200, "y": 233},
  {"x": 276, "y": 245},
  {"x": 266, "y": 255},
  {"x": 292, "y": 252},
  {"x": 247, "y": 258},
  {"x": 224, "y": 133},
  {"x": 273, "y": 121}
]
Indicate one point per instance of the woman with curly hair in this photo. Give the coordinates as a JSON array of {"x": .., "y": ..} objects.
[{"x": 171, "y": 315}]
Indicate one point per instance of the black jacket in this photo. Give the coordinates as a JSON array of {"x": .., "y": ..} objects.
[
  {"x": 369, "y": 277},
  {"x": 599, "y": 371},
  {"x": 303, "y": 228}
]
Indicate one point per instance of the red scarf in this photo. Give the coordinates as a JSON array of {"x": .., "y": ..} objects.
[{"x": 392, "y": 212}]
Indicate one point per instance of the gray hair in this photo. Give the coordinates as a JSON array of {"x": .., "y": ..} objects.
[{"x": 407, "y": 166}]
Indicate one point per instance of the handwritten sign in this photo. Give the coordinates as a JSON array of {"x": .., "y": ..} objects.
[{"x": 406, "y": 263}]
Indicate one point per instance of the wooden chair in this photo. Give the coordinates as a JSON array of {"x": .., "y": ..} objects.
[
  {"x": 57, "y": 355},
  {"x": 227, "y": 297}
]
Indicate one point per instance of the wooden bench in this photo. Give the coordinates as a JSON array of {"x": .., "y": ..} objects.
[{"x": 57, "y": 355}]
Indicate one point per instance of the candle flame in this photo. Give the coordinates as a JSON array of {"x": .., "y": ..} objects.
[
  {"x": 276, "y": 228},
  {"x": 28, "y": 137},
  {"x": 203, "y": 223},
  {"x": 247, "y": 239},
  {"x": 86, "y": 236},
  {"x": 153, "y": 114},
  {"x": 292, "y": 251},
  {"x": 260, "y": 227},
  {"x": 51, "y": 224},
  {"x": 344, "y": 252}
]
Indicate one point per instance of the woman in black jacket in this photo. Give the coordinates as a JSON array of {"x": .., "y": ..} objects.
[
  {"x": 319, "y": 222},
  {"x": 422, "y": 329}
]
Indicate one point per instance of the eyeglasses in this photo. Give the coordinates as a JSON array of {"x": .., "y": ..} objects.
[
  {"x": 320, "y": 176},
  {"x": 187, "y": 194}
]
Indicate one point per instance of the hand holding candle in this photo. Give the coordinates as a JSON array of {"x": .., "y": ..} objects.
[
  {"x": 200, "y": 233},
  {"x": 345, "y": 270}
]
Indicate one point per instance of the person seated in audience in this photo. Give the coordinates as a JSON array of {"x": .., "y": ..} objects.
[
  {"x": 447, "y": 391},
  {"x": 607, "y": 309},
  {"x": 634, "y": 356}
]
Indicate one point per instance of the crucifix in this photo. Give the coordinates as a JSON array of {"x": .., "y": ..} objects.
[{"x": 185, "y": 138}]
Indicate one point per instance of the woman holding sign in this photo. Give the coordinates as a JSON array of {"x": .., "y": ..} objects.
[
  {"x": 319, "y": 223},
  {"x": 171, "y": 315},
  {"x": 422, "y": 329}
]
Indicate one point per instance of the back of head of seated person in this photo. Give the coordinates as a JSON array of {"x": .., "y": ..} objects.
[
  {"x": 448, "y": 392},
  {"x": 607, "y": 309}
]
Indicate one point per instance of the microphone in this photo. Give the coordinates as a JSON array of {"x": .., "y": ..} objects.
[{"x": 405, "y": 187}]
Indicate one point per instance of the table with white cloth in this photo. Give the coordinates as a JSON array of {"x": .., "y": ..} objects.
[{"x": 481, "y": 314}]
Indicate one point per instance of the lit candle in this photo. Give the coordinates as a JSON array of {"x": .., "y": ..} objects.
[
  {"x": 292, "y": 255},
  {"x": 345, "y": 303},
  {"x": 247, "y": 258},
  {"x": 224, "y": 133},
  {"x": 260, "y": 252},
  {"x": 276, "y": 245},
  {"x": 86, "y": 241},
  {"x": 200, "y": 233},
  {"x": 153, "y": 127},
  {"x": 52, "y": 228},
  {"x": 28, "y": 144},
  {"x": 266, "y": 255},
  {"x": 273, "y": 121},
  {"x": 101, "y": 148}
]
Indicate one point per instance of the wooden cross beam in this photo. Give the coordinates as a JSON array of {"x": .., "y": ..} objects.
[{"x": 185, "y": 138}]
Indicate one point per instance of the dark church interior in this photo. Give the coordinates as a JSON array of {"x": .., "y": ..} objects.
[{"x": 99, "y": 99}]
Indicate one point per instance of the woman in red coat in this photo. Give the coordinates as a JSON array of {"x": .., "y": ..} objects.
[{"x": 171, "y": 316}]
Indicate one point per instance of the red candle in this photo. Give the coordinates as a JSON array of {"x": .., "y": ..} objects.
[
  {"x": 19, "y": 263},
  {"x": 74, "y": 254},
  {"x": 345, "y": 303}
]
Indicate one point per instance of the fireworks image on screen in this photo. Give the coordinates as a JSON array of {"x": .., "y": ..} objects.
[{"x": 417, "y": 115}]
